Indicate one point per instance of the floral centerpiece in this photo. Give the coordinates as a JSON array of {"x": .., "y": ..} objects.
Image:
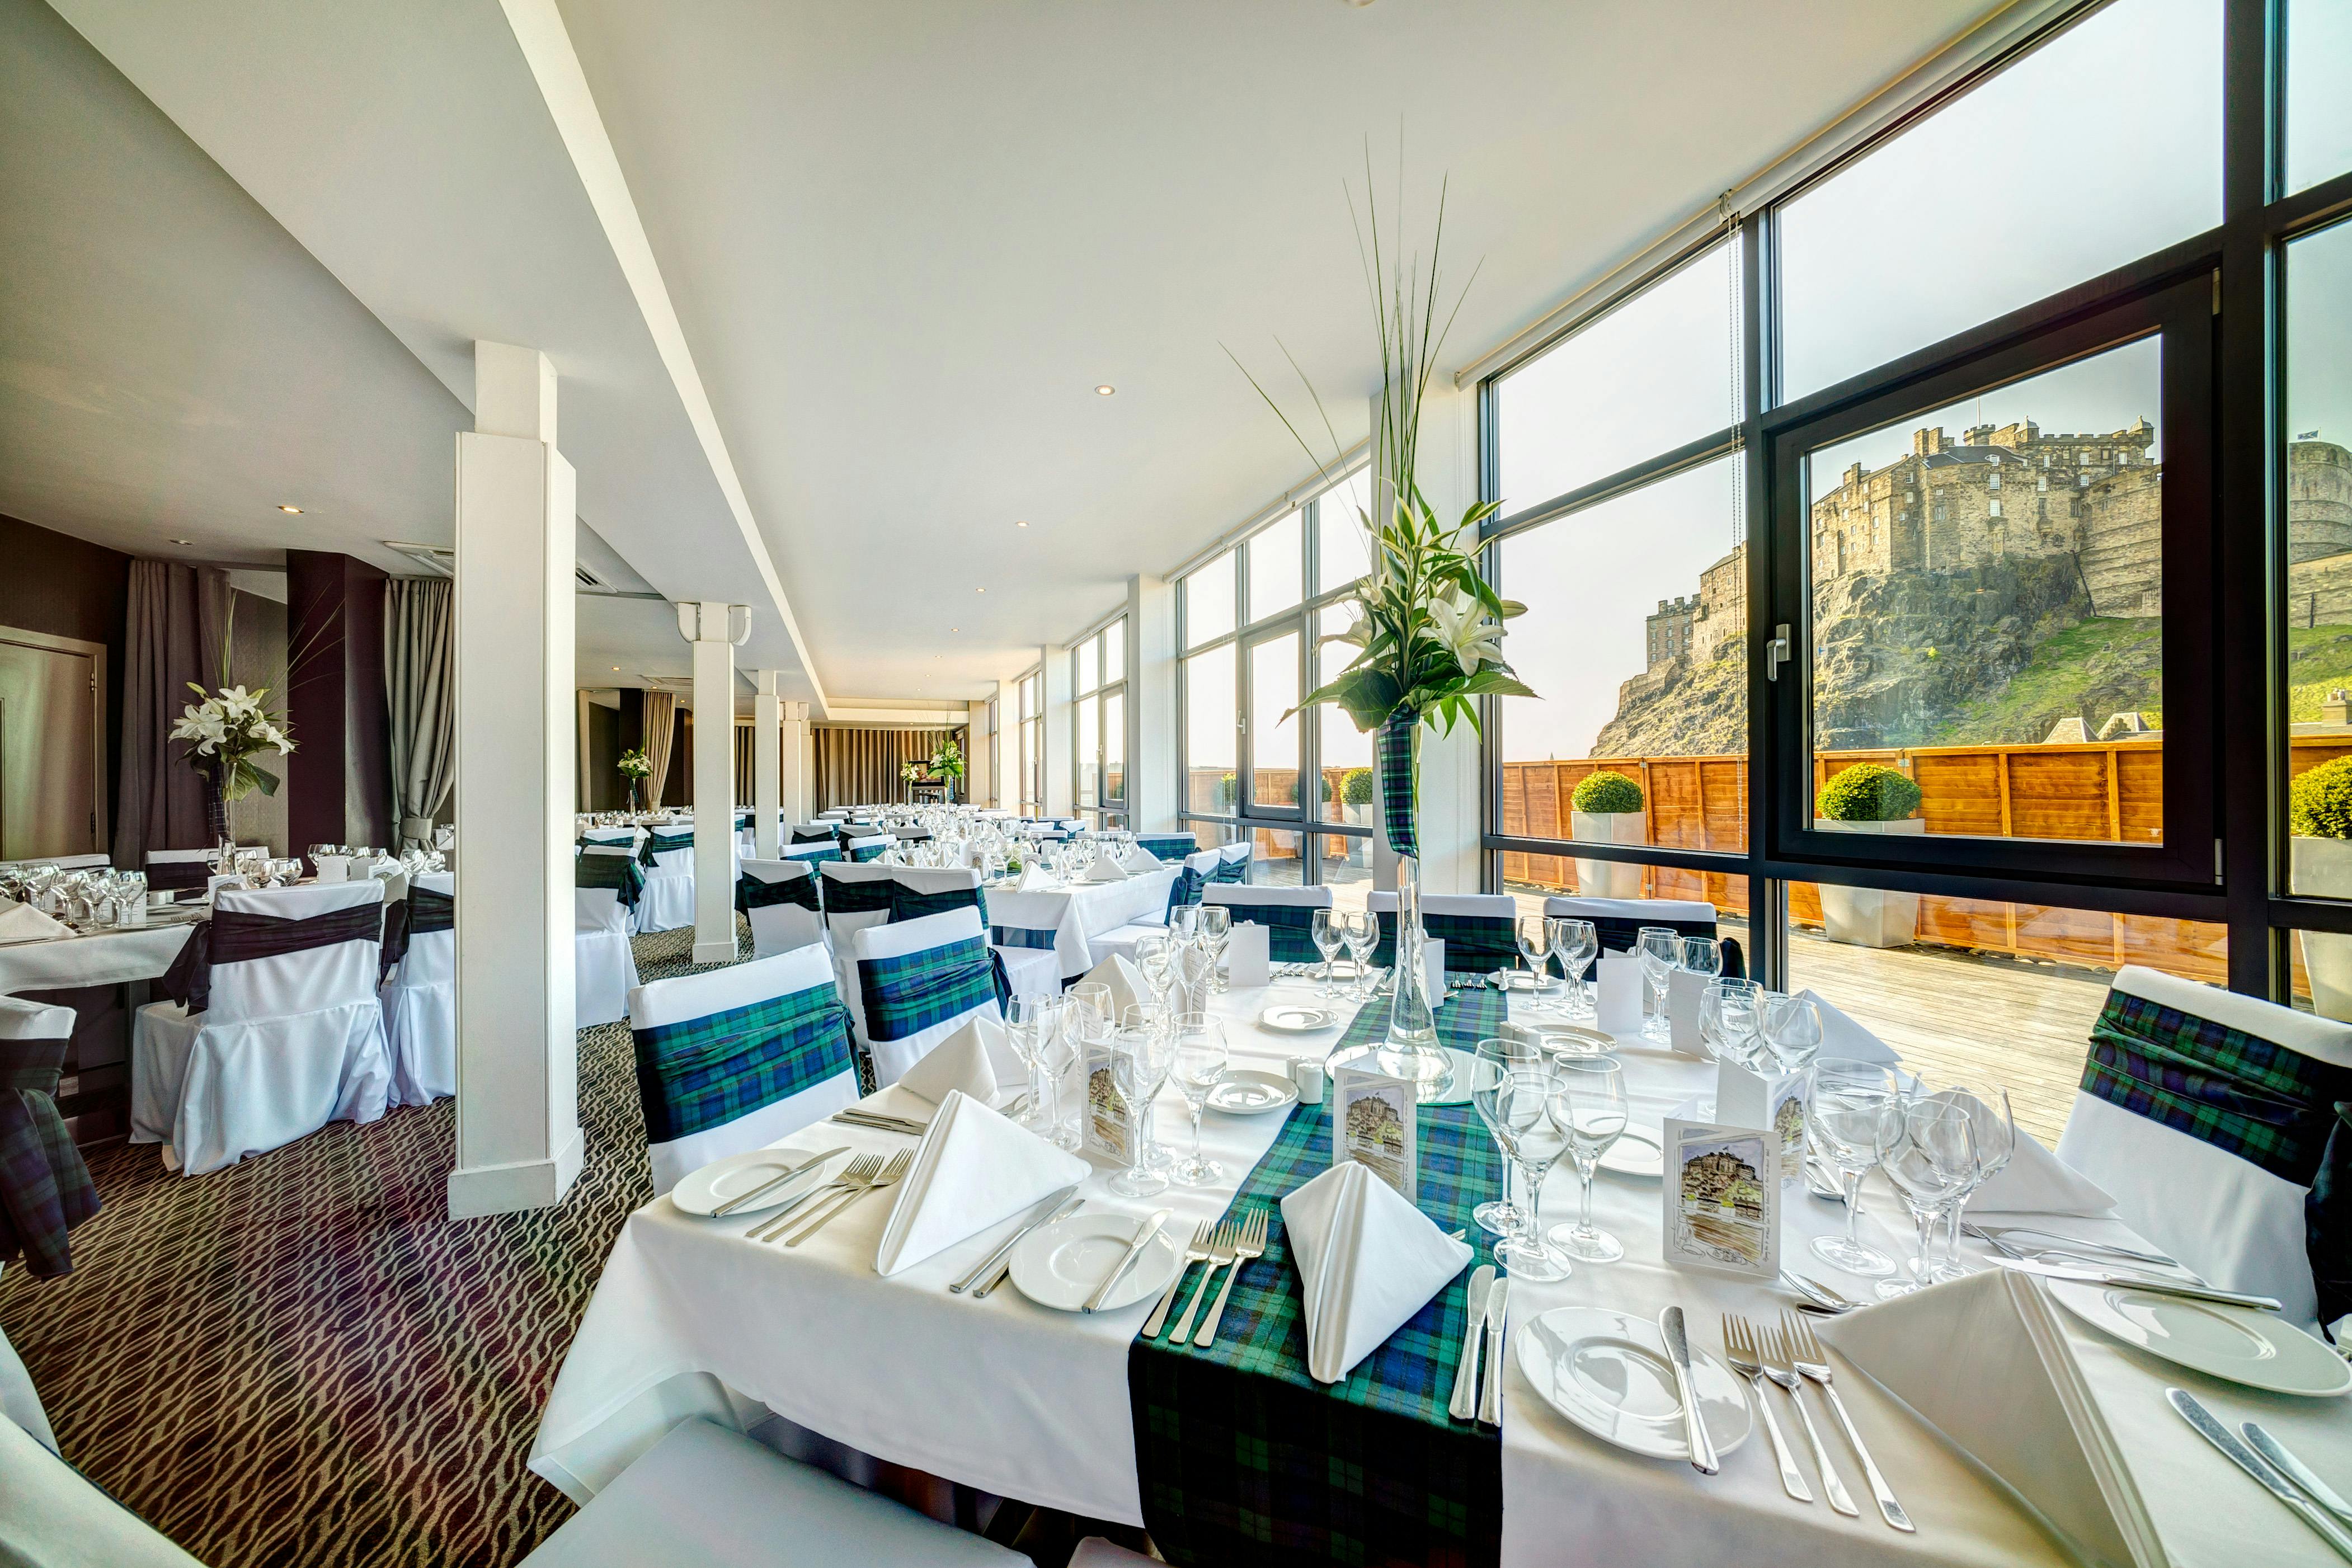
[
  {"x": 636, "y": 766},
  {"x": 227, "y": 729}
]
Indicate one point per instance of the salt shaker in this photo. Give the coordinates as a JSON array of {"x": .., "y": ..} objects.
[{"x": 1307, "y": 1074}]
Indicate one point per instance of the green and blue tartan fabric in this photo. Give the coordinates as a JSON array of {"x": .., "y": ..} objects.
[
  {"x": 894, "y": 898},
  {"x": 1392, "y": 750},
  {"x": 860, "y": 852},
  {"x": 1475, "y": 943},
  {"x": 708, "y": 1072},
  {"x": 912, "y": 904},
  {"x": 1232, "y": 870},
  {"x": 1169, "y": 846},
  {"x": 843, "y": 897},
  {"x": 2259, "y": 1100},
  {"x": 757, "y": 892},
  {"x": 662, "y": 843},
  {"x": 45, "y": 1188},
  {"x": 909, "y": 993},
  {"x": 624, "y": 876},
  {"x": 1245, "y": 1459},
  {"x": 1288, "y": 930},
  {"x": 808, "y": 855},
  {"x": 1020, "y": 936}
]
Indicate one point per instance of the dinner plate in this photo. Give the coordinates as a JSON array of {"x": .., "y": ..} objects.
[
  {"x": 1294, "y": 1019},
  {"x": 701, "y": 1192},
  {"x": 1521, "y": 980},
  {"x": 1638, "y": 1151},
  {"x": 1251, "y": 1093},
  {"x": 1572, "y": 1039},
  {"x": 1059, "y": 1265},
  {"x": 2237, "y": 1344},
  {"x": 1608, "y": 1373}
]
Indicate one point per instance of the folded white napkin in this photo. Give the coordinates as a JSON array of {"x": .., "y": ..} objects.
[
  {"x": 1033, "y": 879},
  {"x": 1128, "y": 987},
  {"x": 1842, "y": 1037},
  {"x": 2035, "y": 1181},
  {"x": 1368, "y": 1260},
  {"x": 1139, "y": 860},
  {"x": 965, "y": 1060},
  {"x": 22, "y": 922},
  {"x": 973, "y": 1169},
  {"x": 1106, "y": 871},
  {"x": 1617, "y": 1005}
]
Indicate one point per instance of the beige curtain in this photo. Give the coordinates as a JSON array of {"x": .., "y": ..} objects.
[
  {"x": 860, "y": 766},
  {"x": 421, "y": 691},
  {"x": 661, "y": 718}
]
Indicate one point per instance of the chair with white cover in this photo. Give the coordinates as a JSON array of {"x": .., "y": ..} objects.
[
  {"x": 709, "y": 1498},
  {"x": 279, "y": 1031},
  {"x": 856, "y": 897},
  {"x": 180, "y": 871},
  {"x": 1477, "y": 928},
  {"x": 2205, "y": 1114},
  {"x": 51, "y": 1514},
  {"x": 736, "y": 1058},
  {"x": 66, "y": 862},
  {"x": 911, "y": 983},
  {"x": 1287, "y": 913},
  {"x": 1233, "y": 861},
  {"x": 780, "y": 901},
  {"x": 420, "y": 996},
  {"x": 1617, "y": 923},
  {"x": 603, "y": 965},
  {"x": 45, "y": 1188},
  {"x": 668, "y": 900}
]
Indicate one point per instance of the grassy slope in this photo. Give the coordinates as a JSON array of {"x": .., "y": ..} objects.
[
  {"x": 2318, "y": 660},
  {"x": 2113, "y": 665}
]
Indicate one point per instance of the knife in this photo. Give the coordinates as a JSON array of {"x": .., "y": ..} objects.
[
  {"x": 1143, "y": 1235},
  {"x": 1498, "y": 1303},
  {"x": 1464, "y": 1406},
  {"x": 1677, "y": 1338},
  {"x": 2294, "y": 1470},
  {"x": 996, "y": 1277},
  {"x": 1039, "y": 1215},
  {"x": 2140, "y": 1282},
  {"x": 2246, "y": 1459},
  {"x": 732, "y": 1204}
]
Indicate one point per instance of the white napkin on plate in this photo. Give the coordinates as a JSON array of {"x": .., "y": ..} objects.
[
  {"x": 965, "y": 1060},
  {"x": 1138, "y": 860},
  {"x": 22, "y": 922},
  {"x": 1106, "y": 871},
  {"x": 1617, "y": 1004},
  {"x": 2035, "y": 1181},
  {"x": 1842, "y": 1037},
  {"x": 1033, "y": 879},
  {"x": 973, "y": 1169},
  {"x": 1368, "y": 1260},
  {"x": 1128, "y": 987}
]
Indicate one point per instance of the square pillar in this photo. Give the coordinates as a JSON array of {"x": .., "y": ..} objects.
[
  {"x": 797, "y": 767},
  {"x": 1053, "y": 678},
  {"x": 767, "y": 764},
  {"x": 1154, "y": 793},
  {"x": 518, "y": 1143},
  {"x": 710, "y": 627}
]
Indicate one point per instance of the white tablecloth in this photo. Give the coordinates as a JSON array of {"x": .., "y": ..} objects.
[
  {"x": 107, "y": 958},
  {"x": 1076, "y": 913}
]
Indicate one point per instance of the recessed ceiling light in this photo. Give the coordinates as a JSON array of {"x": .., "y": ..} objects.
[
  {"x": 184, "y": 542},
  {"x": 295, "y": 510},
  {"x": 1020, "y": 523},
  {"x": 980, "y": 591},
  {"x": 1105, "y": 390},
  {"x": 616, "y": 669}
]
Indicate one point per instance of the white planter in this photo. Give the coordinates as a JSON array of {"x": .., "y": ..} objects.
[
  {"x": 1870, "y": 916},
  {"x": 2324, "y": 867},
  {"x": 1607, "y": 879}
]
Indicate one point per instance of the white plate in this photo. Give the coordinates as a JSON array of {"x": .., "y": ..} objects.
[
  {"x": 1525, "y": 983},
  {"x": 1297, "y": 1019},
  {"x": 2237, "y": 1344},
  {"x": 1059, "y": 1265},
  {"x": 1638, "y": 1151},
  {"x": 1608, "y": 1373},
  {"x": 1253, "y": 1093},
  {"x": 1572, "y": 1039},
  {"x": 703, "y": 1191}
]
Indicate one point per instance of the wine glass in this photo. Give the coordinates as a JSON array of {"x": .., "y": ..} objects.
[
  {"x": 1325, "y": 930},
  {"x": 1198, "y": 1059},
  {"x": 1996, "y": 1136},
  {"x": 1727, "y": 1019},
  {"x": 1535, "y": 948},
  {"x": 1363, "y": 933},
  {"x": 1791, "y": 1028},
  {"x": 1510, "y": 1087},
  {"x": 1216, "y": 930},
  {"x": 1932, "y": 1162},
  {"x": 1155, "y": 960},
  {"x": 1702, "y": 955},
  {"x": 1575, "y": 943},
  {"x": 1852, "y": 1110},
  {"x": 1139, "y": 1067},
  {"x": 1587, "y": 1102},
  {"x": 1659, "y": 950}
]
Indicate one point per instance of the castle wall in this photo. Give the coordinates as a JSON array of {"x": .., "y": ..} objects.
[
  {"x": 2123, "y": 544},
  {"x": 2318, "y": 500}
]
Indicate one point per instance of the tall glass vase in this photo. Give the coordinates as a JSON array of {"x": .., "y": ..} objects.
[{"x": 1411, "y": 1050}]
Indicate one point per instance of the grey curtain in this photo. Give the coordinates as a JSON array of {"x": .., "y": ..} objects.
[
  {"x": 860, "y": 766},
  {"x": 661, "y": 724},
  {"x": 421, "y": 691},
  {"x": 177, "y": 619}
]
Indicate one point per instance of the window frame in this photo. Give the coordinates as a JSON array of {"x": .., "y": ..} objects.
[{"x": 1088, "y": 651}]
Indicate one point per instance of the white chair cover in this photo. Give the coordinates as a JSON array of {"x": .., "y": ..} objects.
[
  {"x": 840, "y": 924},
  {"x": 690, "y": 997},
  {"x": 603, "y": 965},
  {"x": 781, "y": 927},
  {"x": 420, "y": 1010},
  {"x": 1573, "y": 907},
  {"x": 668, "y": 902},
  {"x": 287, "y": 1044},
  {"x": 2235, "y": 1223},
  {"x": 1471, "y": 905},
  {"x": 1242, "y": 896},
  {"x": 937, "y": 933}
]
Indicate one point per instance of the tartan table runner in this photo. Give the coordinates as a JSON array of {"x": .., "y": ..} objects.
[{"x": 1243, "y": 1459}]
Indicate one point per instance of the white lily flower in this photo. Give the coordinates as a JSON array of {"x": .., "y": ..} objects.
[{"x": 1474, "y": 636}]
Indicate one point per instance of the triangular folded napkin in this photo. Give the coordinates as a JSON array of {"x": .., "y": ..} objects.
[
  {"x": 1107, "y": 870},
  {"x": 1368, "y": 1260},
  {"x": 973, "y": 1169},
  {"x": 1138, "y": 860},
  {"x": 2034, "y": 1181},
  {"x": 965, "y": 1060},
  {"x": 1843, "y": 1038},
  {"x": 1033, "y": 879},
  {"x": 1128, "y": 987},
  {"x": 22, "y": 922}
]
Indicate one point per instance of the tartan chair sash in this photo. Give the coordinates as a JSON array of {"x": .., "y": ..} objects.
[
  {"x": 1288, "y": 930},
  {"x": 624, "y": 875},
  {"x": 912, "y": 904},
  {"x": 177, "y": 876},
  {"x": 861, "y": 851},
  {"x": 705, "y": 1072},
  {"x": 429, "y": 910},
  {"x": 236, "y": 935},
  {"x": 1020, "y": 936},
  {"x": 2262, "y": 1101},
  {"x": 45, "y": 1187},
  {"x": 394, "y": 946},
  {"x": 802, "y": 836},
  {"x": 753, "y": 893},
  {"x": 1475, "y": 943},
  {"x": 1186, "y": 889},
  {"x": 663, "y": 843},
  {"x": 861, "y": 897},
  {"x": 1232, "y": 871},
  {"x": 908, "y": 993}
]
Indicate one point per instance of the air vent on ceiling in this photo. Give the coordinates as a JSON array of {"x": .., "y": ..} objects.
[{"x": 443, "y": 563}]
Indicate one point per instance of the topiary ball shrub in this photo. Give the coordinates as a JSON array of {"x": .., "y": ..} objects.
[
  {"x": 1356, "y": 786},
  {"x": 1868, "y": 792},
  {"x": 1604, "y": 793},
  {"x": 2320, "y": 801}
]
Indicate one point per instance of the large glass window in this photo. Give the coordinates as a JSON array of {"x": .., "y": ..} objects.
[
  {"x": 1277, "y": 569},
  {"x": 1029, "y": 762},
  {"x": 2318, "y": 108},
  {"x": 1212, "y": 733},
  {"x": 2318, "y": 598},
  {"x": 2096, "y": 148},
  {"x": 1341, "y": 549},
  {"x": 1209, "y": 601},
  {"x": 1099, "y": 726}
]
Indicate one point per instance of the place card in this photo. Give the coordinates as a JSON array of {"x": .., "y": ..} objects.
[
  {"x": 1432, "y": 968},
  {"x": 1108, "y": 1121},
  {"x": 1617, "y": 1006},
  {"x": 1685, "y": 988},
  {"x": 1373, "y": 1125},
  {"x": 1248, "y": 957},
  {"x": 1746, "y": 1098},
  {"x": 1722, "y": 1197}
]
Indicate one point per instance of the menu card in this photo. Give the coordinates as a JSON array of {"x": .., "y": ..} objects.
[
  {"x": 1722, "y": 1196},
  {"x": 1373, "y": 1124},
  {"x": 1109, "y": 1122}
]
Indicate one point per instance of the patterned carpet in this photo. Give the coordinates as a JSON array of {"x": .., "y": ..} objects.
[{"x": 300, "y": 1360}]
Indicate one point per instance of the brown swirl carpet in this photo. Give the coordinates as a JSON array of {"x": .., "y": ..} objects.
[{"x": 301, "y": 1360}]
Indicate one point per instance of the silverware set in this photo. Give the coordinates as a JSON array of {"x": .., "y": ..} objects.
[
  {"x": 864, "y": 1174},
  {"x": 1818, "y": 1297},
  {"x": 1790, "y": 1356},
  {"x": 765, "y": 1187},
  {"x": 1228, "y": 1245},
  {"x": 993, "y": 1268},
  {"x": 2278, "y": 1472},
  {"x": 876, "y": 1122}
]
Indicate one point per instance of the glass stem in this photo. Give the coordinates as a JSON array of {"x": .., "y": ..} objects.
[
  {"x": 1852, "y": 1180},
  {"x": 1924, "y": 1219},
  {"x": 1534, "y": 1226},
  {"x": 1584, "y": 1209},
  {"x": 1197, "y": 1105}
]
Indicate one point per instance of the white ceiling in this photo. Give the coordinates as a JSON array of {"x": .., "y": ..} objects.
[{"x": 905, "y": 244}]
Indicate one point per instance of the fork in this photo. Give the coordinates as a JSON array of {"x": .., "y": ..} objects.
[
  {"x": 1220, "y": 1253},
  {"x": 855, "y": 1172},
  {"x": 1772, "y": 1355},
  {"x": 1814, "y": 1363},
  {"x": 1252, "y": 1245},
  {"x": 888, "y": 1175},
  {"x": 1739, "y": 1349},
  {"x": 1203, "y": 1234}
]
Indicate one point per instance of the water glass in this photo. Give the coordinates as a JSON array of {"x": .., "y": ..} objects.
[
  {"x": 1325, "y": 930},
  {"x": 1728, "y": 1026},
  {"x": 1535, "y": 948},
  {"x": 1932, "y": 1162},
  {"x": 1198, "y": 1060},
  {"x": 1139, "y": 1055},
  {"x": 1363, "y": 935},
  {"x": 1996, "y": 1136},
  {"x": 1575, "y": 943},
  {"x": 1791, "y": 1028},
  {"x": 1216, "y": 930},
  {"x": 1702, "y": 955},
  {"x": 1588, "y": 1103},
  {"x": 1852, "y": 1112},
  {"x": 1511, "y": 1083},
  {"x": 1660, "y": 951}
]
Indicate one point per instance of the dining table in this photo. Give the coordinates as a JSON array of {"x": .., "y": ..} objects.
[
  {"x": 1066, "y": 916},
  {"x": 1233, "y": 1455}
]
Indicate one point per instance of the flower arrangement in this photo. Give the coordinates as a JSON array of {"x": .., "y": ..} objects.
[
  {"x": 227, "y": 729},
  {"x": 634, "y": 765},
  {"x": 947, "y": 762}
]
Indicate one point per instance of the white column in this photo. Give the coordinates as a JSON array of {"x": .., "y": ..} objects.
[
  {"x": 1060, "y": 786},
  {"x": 767, "y": 765},
  {"x": 799, "y": 763},
  {"x": 1154, "y": 793},
  {"x": 519, "y": 1142},
  {"x": 715, "y": 630}
]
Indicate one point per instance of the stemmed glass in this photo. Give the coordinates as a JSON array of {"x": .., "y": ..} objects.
[
  {"x": 1139, "y": 1067},
  {"x": 1792, "y": 1029},
  {"x": 1510, "y": 1087},
  {"x": 1574, "y": 943},
  {"x": 1197, "y": 1060},
  {"x": 1659, "y": 950},
  {"x": 1995, "y": 1126},
  {"x": 1727, "y": 1024},
  {"x": 1535, "y": 948},
  {"x": 1932, "y": 1161},
  {"x": 1852, "y": 1112},
  {"x": 1216, "y": 930},
  {"x": 1701, "y": 956},
  {"x": 1324, "y": 929},
  {"x": 1363, "y": 933},
  {"x": 1155, "y": 958},
  {"x": 1587, "y": 1102},
  {"x": 1028, "y": 1020}
]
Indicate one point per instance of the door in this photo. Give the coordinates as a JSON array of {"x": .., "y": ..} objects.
[{"x": 49, "y": 752}]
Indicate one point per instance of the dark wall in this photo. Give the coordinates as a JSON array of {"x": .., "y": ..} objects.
[
  {"x": 339, "y": 778},
  {"x": 604, "y": 753},
  {"x": 677, "y": 790},
  {"x": 68, "y": 587}
]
